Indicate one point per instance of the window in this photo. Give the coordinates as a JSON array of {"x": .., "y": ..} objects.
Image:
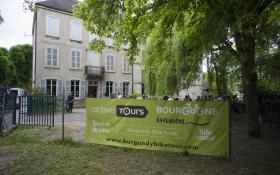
[
  {"x": 110, "y": 63},
  {"x": 93, "y": 37},
  {"x": 75, "y": 59},
  {"x": 51, "y": 87},
  {"x": 93, "y": 59},
  {"x": 76, "y": 31},
  {"x": 109, "y": 42},
  {"x": 52, "y": 26},
  {"x": 125, "y": 65},
  {"x": 52, "y": 56},
  {"x": 75, "y": 87},
  {"x": 125, "y": 89},
  {"x": 109, "y": 88}
]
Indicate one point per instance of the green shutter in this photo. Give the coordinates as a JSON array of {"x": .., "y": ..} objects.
[
  {"x": 43, "y": 85},
  {"x": 67, "y": 87},
  {"x": 59, "y": 88},
  {"x": 82, "y": 89},
  {"x": 103, "y": 89}
]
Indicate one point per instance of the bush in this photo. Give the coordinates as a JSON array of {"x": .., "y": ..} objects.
[
  {"x": 134, "y": 95},
  {"x": 38, "y": 91}
]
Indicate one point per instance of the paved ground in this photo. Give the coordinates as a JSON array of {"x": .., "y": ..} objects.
[
  {"x": 8, "y": 119},
  {"x": 74, "y": 124}
]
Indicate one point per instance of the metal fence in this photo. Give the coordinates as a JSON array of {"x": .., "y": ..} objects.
[
  {"x": 36, "y": 110},
  {"x": 7, "y": 111}
]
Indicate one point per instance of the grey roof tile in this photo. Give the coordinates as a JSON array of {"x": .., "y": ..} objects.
[{"x": 61, "y": 5}]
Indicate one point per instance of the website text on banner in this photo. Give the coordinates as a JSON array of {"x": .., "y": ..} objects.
[{"x": 194, "y": 127}]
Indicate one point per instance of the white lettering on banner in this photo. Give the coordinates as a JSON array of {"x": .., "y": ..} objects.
[
  {"x": 153, "y": 132},
  {"x": 100, "y": 130},
  {"x": 103, "y": 110},
  {"x": 127, "y": 111},
  {"x": 94, "y": 123},
  {"x": 138, "y": 131},
  {"x": 205, "y": 135},
  {"x": 187, "y": 110}
]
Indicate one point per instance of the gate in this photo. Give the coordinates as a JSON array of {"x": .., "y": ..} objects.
[
  {"x": 36, "y": 110},
  {"x": 7, "y": 111}
]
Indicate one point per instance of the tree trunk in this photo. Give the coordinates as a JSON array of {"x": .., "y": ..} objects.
[{"x": 245, "y": 45}]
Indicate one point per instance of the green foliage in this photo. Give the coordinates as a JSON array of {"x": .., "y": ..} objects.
[
  {"x": 16, "y": 66},
  {"x": 134, "y": 95},
  {"x": 168, "y": 67},
  {"x": 4, "y": 65},
  {"x": 38, "y": 91},
  {"x": 29, "y": 5},
  {"x": 208, "y": 28},
  {"x": 21, "y": 68},
  {"x": 1, "y": 18},
  {"x": 223, "y": 73},
  {"x": 236, "y": 27}
]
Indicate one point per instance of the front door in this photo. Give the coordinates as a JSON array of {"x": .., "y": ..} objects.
[{"x": 92, "y": 91}]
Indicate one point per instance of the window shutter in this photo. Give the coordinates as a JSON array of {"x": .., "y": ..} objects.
[
  {"x": 103, "y": 89},
  {"x": 121, "y": 88},
  {"x": 115, "y": 88},
  {"x": 52, "y": 26},
  {"x": 67, "y": 87},
  {"x": 76, "y": 31},
  {"x": 82, "y": 89},
  {"x": 43, "y": 85},
  {"x": 59, "y": 88}
]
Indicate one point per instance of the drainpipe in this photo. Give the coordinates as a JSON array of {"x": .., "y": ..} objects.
[{"x": 34, "y": 51}]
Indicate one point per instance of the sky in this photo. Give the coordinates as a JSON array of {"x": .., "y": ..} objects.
[{"x": 17, "y": 25}]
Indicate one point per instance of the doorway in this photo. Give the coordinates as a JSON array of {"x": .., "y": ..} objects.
[{"x": 92, "y": 89}]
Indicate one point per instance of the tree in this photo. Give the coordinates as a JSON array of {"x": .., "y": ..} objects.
[
  {"x": 223, "y": 72},
  {"x": 21, "y": 68},
  {"x": 168, "y": 69},
  {"x": 1, "y": 18},
  {"x": 4, "y": 64},
  {"x": 233, "y": 25}
]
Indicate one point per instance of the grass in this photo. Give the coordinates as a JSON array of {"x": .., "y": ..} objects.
[{"x": 29, "y": 150}]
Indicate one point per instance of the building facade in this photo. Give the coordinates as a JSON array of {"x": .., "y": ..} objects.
[{"x": 62, "y": 57}]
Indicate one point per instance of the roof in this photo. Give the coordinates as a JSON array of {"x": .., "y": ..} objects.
[{"x": 61, "y": 5}]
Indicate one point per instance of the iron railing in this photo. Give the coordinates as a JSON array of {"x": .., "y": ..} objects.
[
  {"x": 37, "y": 110},
  {"x": 94, "y": 72}
]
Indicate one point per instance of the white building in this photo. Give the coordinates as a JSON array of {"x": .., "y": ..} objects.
[{"x": 62, "y": 58}]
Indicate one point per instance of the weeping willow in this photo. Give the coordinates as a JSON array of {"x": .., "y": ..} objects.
[{"x": 168, "y": 66}]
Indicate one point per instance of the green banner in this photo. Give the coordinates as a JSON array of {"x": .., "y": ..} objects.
[{"x": 193, "y": 127}]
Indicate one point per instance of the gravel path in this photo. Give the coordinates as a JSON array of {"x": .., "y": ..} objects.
[{"x": 74, "y": 124}]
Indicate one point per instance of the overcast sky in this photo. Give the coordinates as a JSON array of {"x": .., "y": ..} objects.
[{"x": 16, "y": 24}]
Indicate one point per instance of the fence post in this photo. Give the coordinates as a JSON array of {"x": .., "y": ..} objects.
[
  {"x": 2, "y": 112},
  {"x": 229, "y": 122},
  {"x": 14, "y": 109},
  {"x": 53, "y": 109},
  {"x": 63, "y": 112}
]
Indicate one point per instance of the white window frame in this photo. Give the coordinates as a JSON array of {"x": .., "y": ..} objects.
[
  {"x": 123, "y": 89},
  {"x": 71, "y": 32},
  {"x": 126, "y": 66},
  {"x": 114, "y": 61},
  {"x": 47, "y": 26},
  {"x": 112, "y": 87},
  {"x": 56, "y": 85},
  {"x": 81, "y": 65},
  {"x": 75, "y": 88},
  {"x": 46, "y": 56}
]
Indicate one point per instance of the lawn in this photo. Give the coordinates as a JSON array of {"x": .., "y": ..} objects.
[{"x": 35, "y": 151}]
